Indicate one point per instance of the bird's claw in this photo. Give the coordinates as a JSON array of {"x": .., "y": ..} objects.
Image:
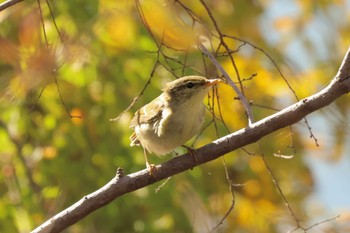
[
  {"x": 192, "y": 152},
  {"x": 151, "y": 169}
]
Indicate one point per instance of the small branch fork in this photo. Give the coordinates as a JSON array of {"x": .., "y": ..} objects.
[
  {"x": 240, "y": 93},
  {"x": 230, "y": 82},
  {"x": 120, "y": 185}
]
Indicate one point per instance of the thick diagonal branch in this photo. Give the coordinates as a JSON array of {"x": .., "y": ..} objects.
[{"x": 121, "y": 185}]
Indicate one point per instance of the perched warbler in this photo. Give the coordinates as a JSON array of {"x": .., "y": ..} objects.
[{"x": 173, "y": 117}]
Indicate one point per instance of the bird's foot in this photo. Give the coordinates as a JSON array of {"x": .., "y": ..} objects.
[
  {"x": 192, "y": 152},
  {"x": 151, "y": 169}
]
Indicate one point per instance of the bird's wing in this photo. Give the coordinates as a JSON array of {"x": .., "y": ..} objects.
[
  {"x": 134, "y": 140},
  {"x": 149, "y": 113}
]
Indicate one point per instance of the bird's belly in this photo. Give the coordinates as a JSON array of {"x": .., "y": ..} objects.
[{"x": 173, "y": 132}]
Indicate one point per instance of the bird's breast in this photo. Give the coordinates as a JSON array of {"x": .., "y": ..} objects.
[
  {"x": 175, "y": 128},
  {"x": 181, "y": 124}
]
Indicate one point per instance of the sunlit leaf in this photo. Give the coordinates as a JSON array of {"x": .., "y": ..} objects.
[{"x": 168, "y": 25}]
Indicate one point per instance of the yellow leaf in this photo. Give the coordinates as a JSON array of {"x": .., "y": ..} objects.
[
  {"x": 36, "y": 69},
  {"x": 166, "y": 24},
  {"x": 117, "y": 30},
  {"x": 284, "y": 23},
  {"x": 252, "y": 188},
  {"x": 49, "y": 152}
]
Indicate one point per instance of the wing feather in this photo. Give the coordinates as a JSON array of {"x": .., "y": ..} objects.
[{"x": 149, "y": 113}]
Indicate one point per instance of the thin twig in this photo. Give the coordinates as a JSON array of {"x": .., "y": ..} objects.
[
  {"x": 274, "y": 180},
  {"x": 221, "y": 117},
  {"x": 314, "y": 225},
  {"x": 54, "y": 22},
  {"x": 61, "y": 99},
  {"x": 224, "y": 44},
  {"x": 19, "y": 145},
  {"x": 162, "y": 185},
  {"x": 280, "y": 73},
  {"x": 42, "y": 23},
  {"x": 230, "y": 82},
  {"x": 232, "y": 206},
  {"x": 139, "y": 95}
]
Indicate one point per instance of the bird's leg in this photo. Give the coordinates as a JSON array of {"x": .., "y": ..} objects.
[
  {"x": 174, "y": 153},
  {"x": 150, "y": 167},
  {"x": 192, "y": 152}
]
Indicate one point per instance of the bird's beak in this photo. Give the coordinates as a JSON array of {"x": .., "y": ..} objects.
[{"x": 212, "y": 82}]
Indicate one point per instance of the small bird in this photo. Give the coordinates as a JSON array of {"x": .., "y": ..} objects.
[{"x": 173, "y": 117}]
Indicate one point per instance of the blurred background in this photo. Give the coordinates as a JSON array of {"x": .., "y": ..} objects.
[{"x": 67, "y": 67}]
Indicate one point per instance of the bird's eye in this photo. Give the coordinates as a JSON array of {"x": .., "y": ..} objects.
[{"x": 190, "y": 85}]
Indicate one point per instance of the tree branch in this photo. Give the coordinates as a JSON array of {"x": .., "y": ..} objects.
[
  {"x": 8, "y": 3},
  {"x": 121, "y": 185}
]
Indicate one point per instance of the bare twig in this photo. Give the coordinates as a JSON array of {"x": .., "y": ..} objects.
[
  {"x": 140, "y": 94},
  {"x": 240, "y": 92},
  {"x": 269, "y": 57},
  {"x": 19, "y": 145},
  {"x": 233, "y": 202},
  {"x": 221, "y": 117},
  {"x": 230, "y": 82},
  {"x": 54, "y": 22},
  {"x": 62, "y": 101},
  {"x": 42, "y": 23},
  {"x": 274, "y": 180},
  {"x": 313, "y": 225},
  {"x": 280, "y": 73},
  {"x": 339, "y": 85}
]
